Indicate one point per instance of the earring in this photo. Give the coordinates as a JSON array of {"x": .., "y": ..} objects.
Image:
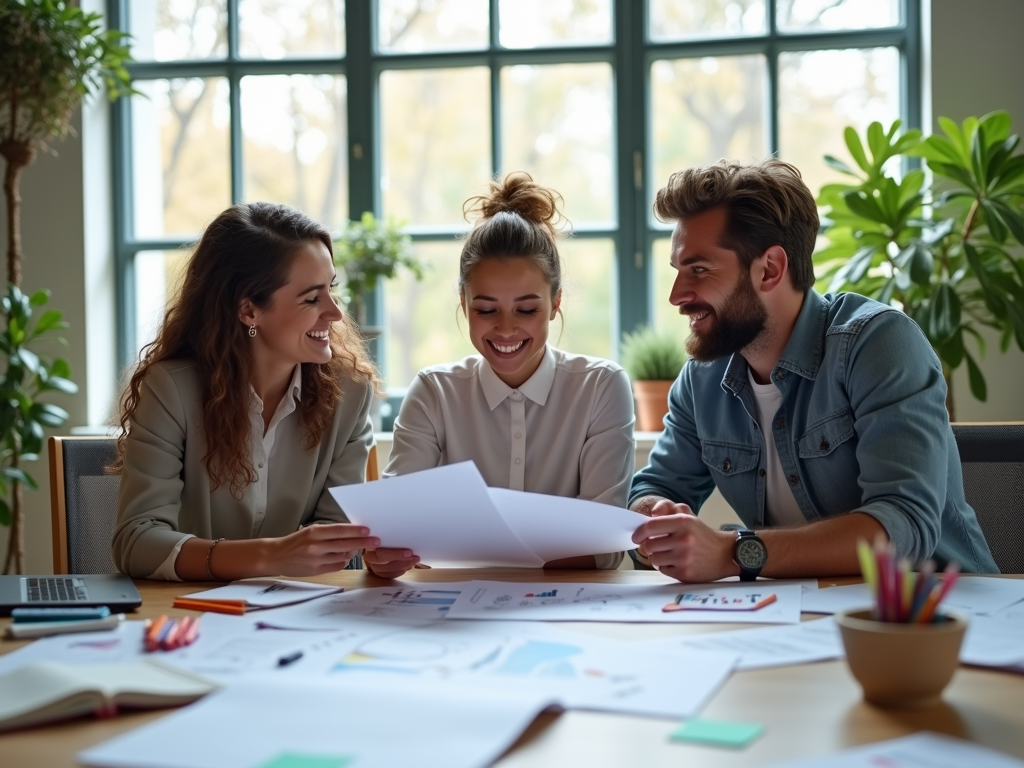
[{"x": 252, "y": 331}]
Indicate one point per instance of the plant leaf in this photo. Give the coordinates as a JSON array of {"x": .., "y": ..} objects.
[{"x": 976, "y": 379}]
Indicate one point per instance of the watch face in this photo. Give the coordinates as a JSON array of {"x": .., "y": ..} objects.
[{"x": 750, "y": 553}]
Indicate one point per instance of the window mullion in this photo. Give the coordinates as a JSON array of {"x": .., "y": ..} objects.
[{"x": 631, "y": 120}]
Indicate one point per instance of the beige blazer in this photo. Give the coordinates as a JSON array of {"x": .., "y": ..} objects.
[{"x": 165, "y": 490}]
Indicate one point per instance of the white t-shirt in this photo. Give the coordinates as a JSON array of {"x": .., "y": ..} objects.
[
  {"x": 780, "y": 503},
  {"x": 567, "y": 431}
]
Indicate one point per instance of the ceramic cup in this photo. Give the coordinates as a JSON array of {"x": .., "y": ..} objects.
[{"x": 902, "y": 666}]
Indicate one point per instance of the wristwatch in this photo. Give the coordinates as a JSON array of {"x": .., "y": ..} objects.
[{"x": 750, "y": 554}]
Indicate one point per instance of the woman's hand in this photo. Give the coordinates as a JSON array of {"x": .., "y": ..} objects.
[
  {"x": 390, "y": 562},
  {"x": 318, "y": 549}
]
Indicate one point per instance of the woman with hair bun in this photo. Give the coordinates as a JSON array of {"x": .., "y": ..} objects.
[
  {"x": 532, "y": 417},
  {"x": 250, "y": 404}
]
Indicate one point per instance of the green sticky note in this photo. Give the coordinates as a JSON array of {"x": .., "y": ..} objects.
[
  {"x": 718, "y": 732},
  {"x": 302, "y": 760}
]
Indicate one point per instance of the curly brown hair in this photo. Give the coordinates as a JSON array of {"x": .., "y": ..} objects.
[
  {"x": 245, "y": 253},
  {"x": 766, "y": 204}
]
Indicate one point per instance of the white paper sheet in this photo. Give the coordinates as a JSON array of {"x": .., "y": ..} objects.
[
  {"x": 387, "y": 723},
  {"x": 970, "y": 594},
  {"x": 763, "y": 647},
  {"x": 994, "y": 641},
  {"x": 402, "y": 603},
  {"x": 445, "y": 515},
  {"x": 921, "y": 750},
  {"x": 266, "y": 593},
  {"x": 450, "y": 518},
  {"x": 554, "y": 526},
  {"x": 579, "y": 671},
  {"x": 555, "y": 601}
]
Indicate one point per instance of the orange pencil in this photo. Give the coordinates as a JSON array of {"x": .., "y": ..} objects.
[
  {"x": 233, "y": 607},
  {"x": 151, "y": 639}
]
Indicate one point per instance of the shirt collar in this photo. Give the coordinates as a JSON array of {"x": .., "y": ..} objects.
[
  {"x": 537, "y": 387},
  {"x": 803, "y": 351},
  {"x": 294, "y": 388}
]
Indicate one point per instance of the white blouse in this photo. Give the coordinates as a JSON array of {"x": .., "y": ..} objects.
[{"x": 567, "y": 431}]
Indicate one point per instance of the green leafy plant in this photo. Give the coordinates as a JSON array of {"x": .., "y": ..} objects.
[
  {"x": 52, "y": 55},
  {"x": 23, "y": 416},
  {"x": 651, "y": 355},
  {"x": 942, "y": 245},
  {"x": 369, "y": 249}
]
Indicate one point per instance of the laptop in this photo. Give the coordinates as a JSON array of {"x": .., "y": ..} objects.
[{"x": 113, "y": 590}]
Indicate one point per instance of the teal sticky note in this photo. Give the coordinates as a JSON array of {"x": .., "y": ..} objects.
[
  {"x": 302, "y": 760},
  {"x": 718, "y": 732}
]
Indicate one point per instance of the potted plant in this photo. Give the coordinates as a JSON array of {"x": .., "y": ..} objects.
[
  {"x": 653, "y": 360},
  {"x": 52, "y": 54},
  {"x": 943, "y": 246},
  {"x": 369, "y": 249}
]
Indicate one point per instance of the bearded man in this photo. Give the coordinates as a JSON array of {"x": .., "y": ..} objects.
[{"x": 821, "y": 418}]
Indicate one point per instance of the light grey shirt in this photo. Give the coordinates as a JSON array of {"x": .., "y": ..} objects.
[{"x": 567, "y": 431}]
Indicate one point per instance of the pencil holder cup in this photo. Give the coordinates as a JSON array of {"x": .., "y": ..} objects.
[{"x": 902, "y": 666}]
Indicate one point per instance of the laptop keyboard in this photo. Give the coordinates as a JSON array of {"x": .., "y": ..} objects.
[{"x": 55, "y": 590}]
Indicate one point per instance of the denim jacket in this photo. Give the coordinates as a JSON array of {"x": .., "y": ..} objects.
[{"x": 862, "y": 427}]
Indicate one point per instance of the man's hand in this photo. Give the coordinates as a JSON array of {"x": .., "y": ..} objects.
[{"x": 683, "y": 547}]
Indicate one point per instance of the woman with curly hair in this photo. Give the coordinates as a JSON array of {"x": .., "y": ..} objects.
[{"x": 251, "y": 403}]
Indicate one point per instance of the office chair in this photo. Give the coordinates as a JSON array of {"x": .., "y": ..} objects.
[
  {"x": 83, "y": 503},
  {"x": 992, "y": 456},
  {"x": 372, "y": 467}
]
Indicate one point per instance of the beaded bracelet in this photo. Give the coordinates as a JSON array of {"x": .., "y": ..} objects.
[{"x": 209, "y": 552}]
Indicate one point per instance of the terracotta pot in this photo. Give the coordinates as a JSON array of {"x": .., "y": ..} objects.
[{"x": 651, "y": 399}]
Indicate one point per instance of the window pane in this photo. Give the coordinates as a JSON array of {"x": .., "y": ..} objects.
[
  {"x": 158, "y": 276},
  {"x": 295, "y": 143},
  {"x": 273, "y": 29},
  {"x": 413, "y": 26},
  {"x": 704, "y": 110},
  {"x": 170, "y": 30},
  {"x": 822, "y": 92},
  {"x": 588, "y": 297},
  {"x": 674, "y": 20},
  {"x": 180, "y": 154},
  {"x": 436, "y": 130},
  {"x": 536, "y": 23},
  {"x": 557, "y": 124},
  {"x": 805, "y": 15},
  {"x": 423, "y": 323},
  {"x": 666, "y": 316}
]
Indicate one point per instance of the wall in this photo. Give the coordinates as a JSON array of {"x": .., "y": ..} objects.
[{"x": 976, "y": 59}]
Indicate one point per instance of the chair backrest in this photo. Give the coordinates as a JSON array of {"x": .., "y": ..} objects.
[
  {"x": 83, "y": 503},
  {"x": 992, "y": 456},
  {"x": 372, "y": 467}
]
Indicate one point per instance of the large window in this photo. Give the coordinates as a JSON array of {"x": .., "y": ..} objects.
[{"x": 407, "y": 107}]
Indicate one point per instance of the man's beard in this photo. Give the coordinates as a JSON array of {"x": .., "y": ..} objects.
[{"x": 737, "y": 325}]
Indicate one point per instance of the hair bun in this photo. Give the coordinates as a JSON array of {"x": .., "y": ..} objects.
[{"x": 518, "y": 193}]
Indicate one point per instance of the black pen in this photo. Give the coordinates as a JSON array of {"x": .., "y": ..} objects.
[{"x": 291, "y": 658}]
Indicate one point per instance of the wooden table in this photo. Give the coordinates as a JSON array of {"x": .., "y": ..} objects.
[{"x": 809, "y": 710}]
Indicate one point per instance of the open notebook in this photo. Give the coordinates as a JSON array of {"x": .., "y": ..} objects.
[{"x": 47, "y": 691}]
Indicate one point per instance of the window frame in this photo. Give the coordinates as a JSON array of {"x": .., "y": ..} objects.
[{"x": 630, "y": 54}]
